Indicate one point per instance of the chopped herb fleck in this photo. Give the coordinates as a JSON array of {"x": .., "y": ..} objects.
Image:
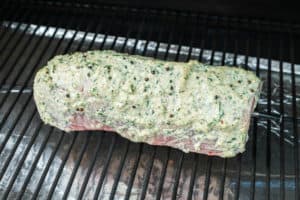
[
  {"x": 239, "y": 81},
  {"x": 133, "y": 106},
  {"x": 80, "y": 109},
  {"x": 132, "y": 88},
  {"x": 171, "y": 88},
  {"x": 108, "y": 67},
  {"x": 54, "y": 68},
  {"x": 249, "y": 81},
  {"x": 171, "y": 115},
  {"x": 68, "y": 95},
  {"x": 146, "y": 79},
  {"x": 197, "y": 77}
]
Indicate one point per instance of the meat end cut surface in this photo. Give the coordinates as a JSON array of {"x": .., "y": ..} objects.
[{"x": 190, "y": 106}]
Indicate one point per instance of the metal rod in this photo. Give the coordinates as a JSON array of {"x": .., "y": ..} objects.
[
  {"x": 282, "y": 146},
  {"x": 59, "y": 171},
  {"x": 295, "y": 114},
  {"x": 254, "y": 141},
  {"x": 104, "y": 170},
  {"x": 76, "y": 166},
  {"x": 119, "y": 172},
  {"x": 268, "y": 142},
  {"x": 90, "y": 169}
]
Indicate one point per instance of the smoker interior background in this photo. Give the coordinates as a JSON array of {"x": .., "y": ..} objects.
[{"x": 38, "y": 161}]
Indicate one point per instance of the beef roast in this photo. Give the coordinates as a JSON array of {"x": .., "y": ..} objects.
[{"x": 190, "y": 106}]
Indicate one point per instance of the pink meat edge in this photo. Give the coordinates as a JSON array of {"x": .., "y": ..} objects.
[{"x": 80, "y": 122}]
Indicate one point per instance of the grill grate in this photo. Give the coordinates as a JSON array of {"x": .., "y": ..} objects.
[{"x": 38, "y": 161}]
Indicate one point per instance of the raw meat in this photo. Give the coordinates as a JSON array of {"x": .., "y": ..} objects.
[{"x": 190, "y": 106}]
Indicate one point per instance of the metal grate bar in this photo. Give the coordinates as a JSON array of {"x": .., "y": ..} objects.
[
  {"x": 177, "y": 175},
  {"x": 296, "y": 137},
  {"x": 52, "y": 188},
  {"x": 222, "y": 185},
  {"x": 75, "y": 169},
  {"x": 282, "y": 146},
  {"x": 147, "y": 176},
  {"x": 255, "y": 120},
  {"x": 92, "y": 165},
  {"x": 107, "y": 161},
  {"x": 135, "y": 167},
  {"x": 193, "y": 176},
  {"x": 268, "y": 145},
  {"x": 163, "y": 174},
  {"x": 118, "y": 175}
]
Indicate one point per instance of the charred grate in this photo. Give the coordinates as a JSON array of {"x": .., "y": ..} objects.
[{"x": 38, "y": 161}]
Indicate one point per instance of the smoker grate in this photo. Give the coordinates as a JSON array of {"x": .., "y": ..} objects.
[{"x": 38, "y": 161}]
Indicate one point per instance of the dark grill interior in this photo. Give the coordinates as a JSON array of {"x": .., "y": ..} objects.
[{"x": 38, "y": 161}]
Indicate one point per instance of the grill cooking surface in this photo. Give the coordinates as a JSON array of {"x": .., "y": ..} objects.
[{"x": 38, "y": 161}]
